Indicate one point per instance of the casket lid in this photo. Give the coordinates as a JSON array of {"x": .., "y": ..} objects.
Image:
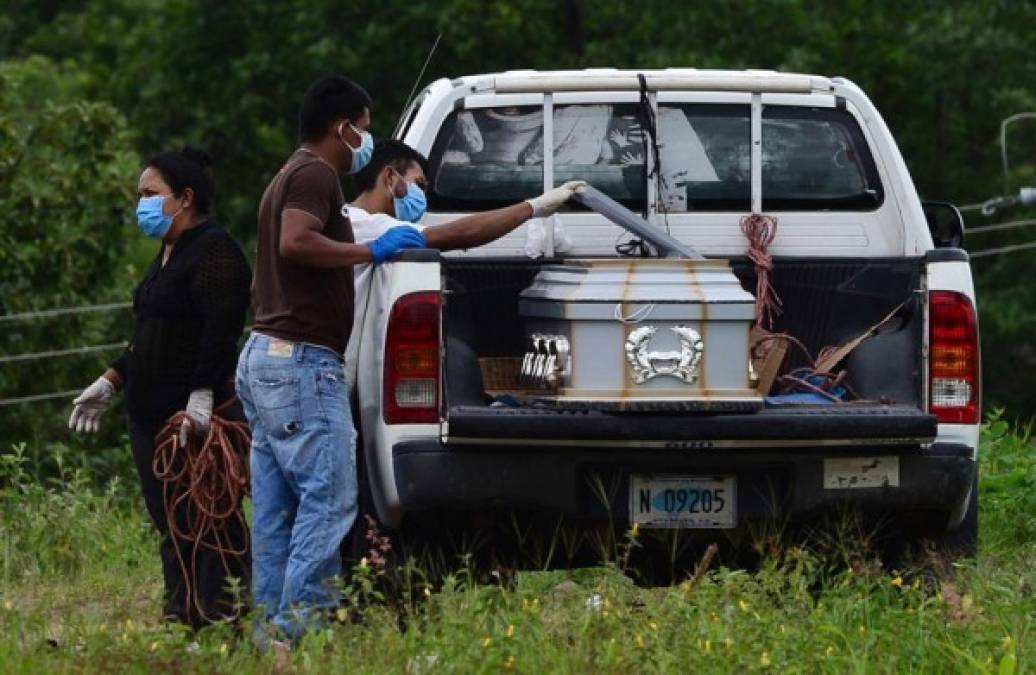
[
  {"x": 665, "y": 288},
  {"x": 638, "y": 281}
]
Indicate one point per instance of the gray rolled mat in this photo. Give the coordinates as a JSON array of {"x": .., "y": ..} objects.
[{"x": 617, "y": 213}]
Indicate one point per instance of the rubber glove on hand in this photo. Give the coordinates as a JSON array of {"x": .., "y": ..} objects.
[
  {"x": 198, "y": 414},
  {"x": 396, "y": 239},
  {"x": 550, "y": 201},
  {"x": 88, "y": 407}
]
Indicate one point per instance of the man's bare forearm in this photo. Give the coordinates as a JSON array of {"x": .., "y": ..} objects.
[
  {"x": 477, "y": 229},
  {"x": 313, "y": 249}
]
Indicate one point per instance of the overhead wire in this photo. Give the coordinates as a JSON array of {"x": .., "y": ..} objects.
[
  {"x": 35, "y": 398},
  {"x": 996, "y": 227},
  {"x": 38, "y": 397},
  {"x": 1002, "y": 250},
  {"x": 55, "y": 353},
  {"x": 63, "y": 311}
]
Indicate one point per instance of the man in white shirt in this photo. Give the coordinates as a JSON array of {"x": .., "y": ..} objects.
[
  {"x": 392, "y": 193},
  {"x": 392, "y": 188}
]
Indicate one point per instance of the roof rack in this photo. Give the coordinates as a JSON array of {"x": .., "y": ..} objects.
[{"x": 673, "y": 79}]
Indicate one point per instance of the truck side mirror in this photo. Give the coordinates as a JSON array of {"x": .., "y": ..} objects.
[{"x": 945, "y": 223}]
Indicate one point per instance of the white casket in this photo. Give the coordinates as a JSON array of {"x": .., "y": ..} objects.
[{"x": 646, "y": 334}]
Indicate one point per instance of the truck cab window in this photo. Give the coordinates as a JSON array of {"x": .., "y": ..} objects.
[
  {"x": 816, "y": 159},
  {"x": 489, "y": 157},
  {"x": 813, "y": 158}
]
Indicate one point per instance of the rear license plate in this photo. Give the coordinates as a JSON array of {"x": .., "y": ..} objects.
[{"x": 683, "y": 501}]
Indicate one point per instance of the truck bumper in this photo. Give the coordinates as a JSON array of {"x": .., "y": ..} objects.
[{"x": 567, "y": 481}]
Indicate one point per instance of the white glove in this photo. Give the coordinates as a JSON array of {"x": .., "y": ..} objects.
[
  {"x": 88, "y": 407},
  {"x": 199, "y": 414},
  {"x": 550, "y": 201}
]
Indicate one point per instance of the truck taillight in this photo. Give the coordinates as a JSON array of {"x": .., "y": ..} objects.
[
  {"x": 953, "y": 362},
  {"x": 411, "y": 384}
]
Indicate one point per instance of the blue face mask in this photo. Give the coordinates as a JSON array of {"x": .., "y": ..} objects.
[
  {"x": 151, "y": 218},
  {"x": 362, "y": 154},
  {"x": 411, "y": 207}
]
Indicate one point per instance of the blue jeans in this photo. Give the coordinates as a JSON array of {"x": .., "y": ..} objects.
[{"x": 303, "y": 477}]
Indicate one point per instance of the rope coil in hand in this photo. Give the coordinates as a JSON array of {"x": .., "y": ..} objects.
[{"x": 205, "y": 480}]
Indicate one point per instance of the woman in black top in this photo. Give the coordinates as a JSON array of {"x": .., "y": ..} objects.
[{"x": 189, "y": 311}]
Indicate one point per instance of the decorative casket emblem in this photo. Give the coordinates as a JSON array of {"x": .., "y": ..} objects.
[{"x": 647, "y": 365}]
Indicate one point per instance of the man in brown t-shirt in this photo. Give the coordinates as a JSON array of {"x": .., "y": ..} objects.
[{"x": 290, "y": 376}]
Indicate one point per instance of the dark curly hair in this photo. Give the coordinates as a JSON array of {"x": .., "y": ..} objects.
[
  {"x": 388, "y": 152},
  {"x": 187, "y": 168}
]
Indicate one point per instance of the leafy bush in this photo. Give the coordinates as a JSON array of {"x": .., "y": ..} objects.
[
  {"x": 67, "y": 172},
  {"x": 56, "y": 527},
  {"x": 1008, "y": 473}
]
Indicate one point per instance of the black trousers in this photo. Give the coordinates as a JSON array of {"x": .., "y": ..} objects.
[{"x": 209, "y": 570}]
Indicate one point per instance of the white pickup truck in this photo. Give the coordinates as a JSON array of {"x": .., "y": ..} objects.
[{"x": 694, "y": 151}]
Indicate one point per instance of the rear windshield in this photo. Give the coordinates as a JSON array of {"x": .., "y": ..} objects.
[{"x": 813, "y": 158}]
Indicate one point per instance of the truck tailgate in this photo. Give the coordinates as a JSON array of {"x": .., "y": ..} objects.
[{"x": 850, "y": 424}]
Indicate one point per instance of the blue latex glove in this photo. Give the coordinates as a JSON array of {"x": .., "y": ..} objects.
[{"x": 396, "y": 239}]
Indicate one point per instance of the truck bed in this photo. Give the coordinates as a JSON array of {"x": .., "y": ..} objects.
[{"x": 826, "y": 302}]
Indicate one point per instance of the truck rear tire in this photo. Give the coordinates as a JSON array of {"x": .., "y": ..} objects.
[{"x": 962, "y": 541}]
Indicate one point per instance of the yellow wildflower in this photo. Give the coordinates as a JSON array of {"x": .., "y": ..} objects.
[
  {"x": 509, "y": 663},
  {"x": 154, "y": 646},
  {"x": 510, "y": 630},
  {"x": 635, "y": 529},
  {"x": 639, "y": 640},
  {"x": 427, "y": 592},
  {"x": 653, "y": 626},
  {"x": 764, "y": 660},
  {"x": 897, "y": 582},
  {"x": 708, "y": 646},
  {"x": 342, "y": 614}
]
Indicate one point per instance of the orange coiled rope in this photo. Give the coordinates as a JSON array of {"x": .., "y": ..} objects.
[
  {"x": 760, "y": 230},
  {"x": 205, "y": 480}
]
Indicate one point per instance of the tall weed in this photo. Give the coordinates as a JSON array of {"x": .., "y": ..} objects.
[
  {"x": 1007, "y": 493},
  {"x": 57, "y": 526}
]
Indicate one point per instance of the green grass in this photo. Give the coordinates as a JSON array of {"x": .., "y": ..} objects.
[{"x": 81, "y": 589}]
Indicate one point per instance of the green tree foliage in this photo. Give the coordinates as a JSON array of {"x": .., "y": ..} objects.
[
  {"x": 66, "y": 188},
  {"x": 229, "y": 76}
]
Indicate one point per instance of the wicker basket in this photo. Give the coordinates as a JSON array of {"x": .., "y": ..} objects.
[{"x": 500, "y": 374}]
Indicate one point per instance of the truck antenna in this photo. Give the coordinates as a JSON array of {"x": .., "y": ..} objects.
[{"x": 417, "y": 82}]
